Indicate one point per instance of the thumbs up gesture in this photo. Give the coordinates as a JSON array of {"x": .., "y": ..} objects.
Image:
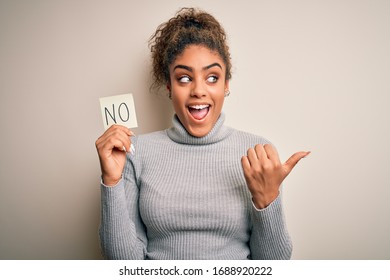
[{"x": 264, "y": 173}]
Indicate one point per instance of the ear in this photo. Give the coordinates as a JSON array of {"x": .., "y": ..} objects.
[
  {"x": 169, "y": 91},
  {"x": 227, "y": 85}
]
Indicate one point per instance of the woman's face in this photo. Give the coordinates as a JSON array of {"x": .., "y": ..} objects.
[{"x": 198, "y": 87}]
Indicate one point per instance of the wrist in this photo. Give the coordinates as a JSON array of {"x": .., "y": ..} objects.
[
  {"x": 263, "y": 201},
  {"x": 109, "y": 181}
]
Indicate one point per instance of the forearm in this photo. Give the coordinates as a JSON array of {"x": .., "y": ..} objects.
[
  {"x": 270, "y": 238},
  {"x": 120, "y": 238}
]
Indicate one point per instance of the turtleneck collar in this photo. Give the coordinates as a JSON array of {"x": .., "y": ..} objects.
[{"x": 179, "y": 134}]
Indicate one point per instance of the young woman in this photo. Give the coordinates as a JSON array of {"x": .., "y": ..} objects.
[{"x": 198, "y": 190}]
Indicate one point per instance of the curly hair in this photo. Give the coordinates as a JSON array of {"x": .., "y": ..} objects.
[{"x": 190, "y": 26}]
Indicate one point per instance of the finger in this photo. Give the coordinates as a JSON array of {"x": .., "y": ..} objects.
[
  {"x": 119, "y": 145},
  {"x": 260, "y": 152},
  {"x": 293, "y": 160},
  {"x": 121, "y": 128},
  {"x": 115, "y": 140},
  {"x": 112, "y": 130},
  {"x": 125, "y": 139},
  {"x": 272, "y": 153},
  {"x": 253, "y": 158},
  {"x": 245, "y": 164},
  {"x": 117, "y": 133}
]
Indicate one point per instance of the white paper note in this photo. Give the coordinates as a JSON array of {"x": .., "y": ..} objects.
[{"x": 118, "y": 109}]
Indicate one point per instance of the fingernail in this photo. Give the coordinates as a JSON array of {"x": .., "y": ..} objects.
[
  {"x": 307, "y": 154},
  {"x": 124, "y": 149}
]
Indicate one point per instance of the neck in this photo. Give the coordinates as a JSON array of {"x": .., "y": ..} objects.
[{"x": 180, "y": 135}]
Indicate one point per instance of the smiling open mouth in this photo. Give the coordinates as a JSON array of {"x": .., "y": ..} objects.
[{"x": 199, "y": 112}]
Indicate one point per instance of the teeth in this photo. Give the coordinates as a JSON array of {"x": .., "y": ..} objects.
[{"x": 199, "y": 107}]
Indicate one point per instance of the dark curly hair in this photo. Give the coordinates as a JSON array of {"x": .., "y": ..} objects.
[{"x": 190, "y": 26}]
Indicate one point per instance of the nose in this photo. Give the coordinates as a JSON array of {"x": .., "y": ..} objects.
[{"x": 199, "y": 89}]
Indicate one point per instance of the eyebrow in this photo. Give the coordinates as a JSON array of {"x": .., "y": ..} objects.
[{"x": 191, "y": 70}]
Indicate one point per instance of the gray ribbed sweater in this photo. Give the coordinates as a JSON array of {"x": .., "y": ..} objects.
[{"x": 183, "y": 197}]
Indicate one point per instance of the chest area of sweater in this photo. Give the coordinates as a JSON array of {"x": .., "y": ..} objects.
[{"x": 197, "y": 190}]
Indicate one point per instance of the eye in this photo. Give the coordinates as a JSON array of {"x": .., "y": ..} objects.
[
  {"x": 184, "y": 79},
  {"x": 212, "y": 79}
]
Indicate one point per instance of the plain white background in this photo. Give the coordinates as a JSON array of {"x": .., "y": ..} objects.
[{"x": 308, "y": 75}]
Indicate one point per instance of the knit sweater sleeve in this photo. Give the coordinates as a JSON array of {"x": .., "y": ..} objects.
[
  {"x": 270, "y": 238},
  {"x": 122, "y": 233}
]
